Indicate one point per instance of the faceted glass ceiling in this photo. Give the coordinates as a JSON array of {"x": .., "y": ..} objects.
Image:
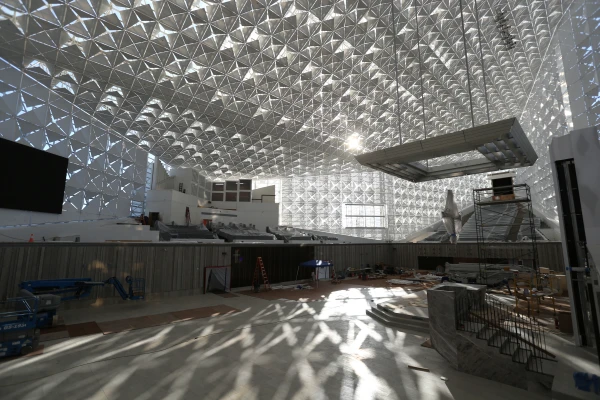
[{"x": 275, "y": 88}]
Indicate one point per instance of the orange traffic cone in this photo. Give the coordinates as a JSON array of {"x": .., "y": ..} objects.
[{"x": 31, "y": 238}]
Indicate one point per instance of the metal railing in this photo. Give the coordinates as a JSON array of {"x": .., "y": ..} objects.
[{"x": 516, "y": 335}]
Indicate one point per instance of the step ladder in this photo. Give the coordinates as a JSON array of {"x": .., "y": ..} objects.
[
  {"x": 335, "y": 278},
  {"x": 260, "y": 269}
]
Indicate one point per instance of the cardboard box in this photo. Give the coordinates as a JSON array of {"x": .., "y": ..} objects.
[{"x": 504, "y": 197}]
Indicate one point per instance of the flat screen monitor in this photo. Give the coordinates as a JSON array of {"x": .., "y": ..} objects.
[
  {"x": 502, "y": 186},
  {"x": 31, "y": 179}
]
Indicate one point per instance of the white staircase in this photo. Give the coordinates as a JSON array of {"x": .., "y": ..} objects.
[{"x": 402, "y": 322}]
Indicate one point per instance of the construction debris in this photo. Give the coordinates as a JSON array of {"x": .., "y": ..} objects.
[
  {"x": 418, "y": 368},
  {"x": 400, "y": 282}
]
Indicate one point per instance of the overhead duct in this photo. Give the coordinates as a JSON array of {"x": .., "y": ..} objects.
[{"x": 503, "y": 145}]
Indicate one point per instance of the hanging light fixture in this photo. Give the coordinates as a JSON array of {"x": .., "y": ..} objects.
[{"x": 502, "y": 144}]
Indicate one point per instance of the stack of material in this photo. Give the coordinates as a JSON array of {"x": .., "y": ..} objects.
[
  {"x": 401, "y": 282},
  {"x": 169, "y": 232},
  {"x": 424, "y": 278},
  {"x": 324, "y": 238},
  {"x": 233, "y": 232},
  {"x": 288, "y": 233},
  {"x": 494, "y": 273}
]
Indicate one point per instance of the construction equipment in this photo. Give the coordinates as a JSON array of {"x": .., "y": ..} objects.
[
  {"x": 18, "y": 326},
  {"x": 335, "y": 277},
  {"x": 49, "y": 293},
  {"x": 260, "y": 269},
  {"x": 78, "y": 288},
  {"x": 47, "y": 305}
]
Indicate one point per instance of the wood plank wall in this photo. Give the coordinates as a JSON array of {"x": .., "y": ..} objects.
[
  {"x": 353, "y": 255},
  {"x": 406, "y": 255},
  {"x": 166, "y": 268},
  {"x": 281, "y": 263},
  {"x": 178, "y": 269}
]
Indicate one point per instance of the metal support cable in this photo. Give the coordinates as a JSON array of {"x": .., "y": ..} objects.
[
  {"x": 462, "y": 20},
  {"x": 396, "y": 71},
  {"x": 487, "y": 107}
]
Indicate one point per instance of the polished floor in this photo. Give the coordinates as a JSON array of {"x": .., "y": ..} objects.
[{"x": 269, "y": 350}]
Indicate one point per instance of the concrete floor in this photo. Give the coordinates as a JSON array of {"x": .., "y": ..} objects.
[{"x": 269, "y": 350}]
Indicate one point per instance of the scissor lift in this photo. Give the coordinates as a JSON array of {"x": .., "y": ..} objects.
[
  {"x": 75, "y": 289},
  {"x": 79, "y": 288},
  {"x": 19, "y": 334}
]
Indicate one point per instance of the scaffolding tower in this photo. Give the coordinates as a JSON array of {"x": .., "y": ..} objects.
[{"x": 505, "y": 214}]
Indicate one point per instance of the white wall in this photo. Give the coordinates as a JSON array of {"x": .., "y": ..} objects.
[
  {"x": 171, "y": 206},
  {"x": 106, "y": 172},
  {"x": 183, "y": 176},
  {"x": 160, "y": 177},
  {"x": 92, "y": 231},
  {"x": 268, "y": 191},
  {"x": 120, "y": 208}
]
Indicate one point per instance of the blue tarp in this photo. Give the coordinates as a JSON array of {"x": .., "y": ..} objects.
[{"x": 316, "y": 264}]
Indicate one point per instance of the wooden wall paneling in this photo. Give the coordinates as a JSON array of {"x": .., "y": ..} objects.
[
  {"x": 352, "y": 256},
  {"x": 77, "y": 262},
  {"x": 177, "y": 280},
  {"x": 197, "y": 267},
  {"x": 167, "y": 268},
  {"x": 138, "y": 266},
  {"x": 551, "y": 256},
  {"x": 174, "y": 268},
  {"x": 281, "y": 263},
  {"x": 99, "y": 269},
  {"x": 405, "y": 257},
  {"x": 28, "y": 265},
  {"x": 160, "y": 273},
  {"x": 48, "y": 266},
  {"x": 146, "y": 265},
  {"x": 186, "y": 267},
  {"x": 122, "y": 265},
  {"x": 10, "y": 265},
  {"x": 191, "y": 263},
  {"x": 5, "y": 267},
  {"x": 16, "y": 257},
  {"x": 104, "y": 265},
  {"x": 29, "y": 262}
]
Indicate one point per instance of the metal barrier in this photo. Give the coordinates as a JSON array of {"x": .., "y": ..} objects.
[{"x": 514, "y": 334}]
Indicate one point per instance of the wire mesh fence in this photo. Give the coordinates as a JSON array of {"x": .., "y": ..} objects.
[{"x": 516, "y": 335}]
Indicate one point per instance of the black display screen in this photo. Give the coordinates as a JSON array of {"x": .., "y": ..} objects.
[
  {"x": 31, "y": 179},
  {"x": 502, "y": 186}
]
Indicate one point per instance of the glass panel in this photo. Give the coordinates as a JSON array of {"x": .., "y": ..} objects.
[
  {"x": 217, "y": 196},
  {"x": 245, "y": 196},
  {"x": 231, "y": 196},
  {"x": 245, "y": 184}
]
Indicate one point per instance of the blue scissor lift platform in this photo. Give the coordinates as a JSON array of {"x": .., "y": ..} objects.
[
  {"x": 79, "y": 288},
  {"x": 19, "y": 333},
  {"x": 22, "y": 318}
]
